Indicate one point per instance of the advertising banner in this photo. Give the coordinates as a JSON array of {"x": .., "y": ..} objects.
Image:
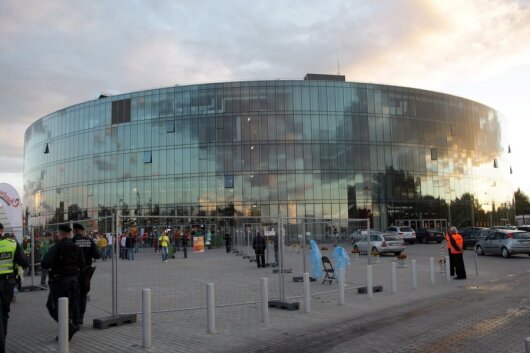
[
  {"x": 198, "y": 244},
  {"x": 12, "y": 207}
]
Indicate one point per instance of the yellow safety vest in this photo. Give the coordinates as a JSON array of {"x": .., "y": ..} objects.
[{"x": 7, "y": 255}]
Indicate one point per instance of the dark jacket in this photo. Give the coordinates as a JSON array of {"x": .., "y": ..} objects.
[
  {"x": 259, "y": 244},
  {"x": 89, "y": 247},
  {"x": 64, "y": 259}
]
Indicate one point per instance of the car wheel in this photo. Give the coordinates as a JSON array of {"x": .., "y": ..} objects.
[
  {"x": 464, "y": 247},
  {"x": 438, "y": 241},
  {"x": 356, "y": 248},
  {"x": 424, "y": 240},
  {"x": 375, "y": 251},
  {"x": 397, "y": 253},
  {"x": 505, "y": 253},
  {"x": 478, "y": 250}
]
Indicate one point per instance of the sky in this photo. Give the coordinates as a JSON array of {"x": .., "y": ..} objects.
[{"x": 54, "y": 54}]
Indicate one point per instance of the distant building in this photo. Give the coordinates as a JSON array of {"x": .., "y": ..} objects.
[{"x": 318, "y": 147}]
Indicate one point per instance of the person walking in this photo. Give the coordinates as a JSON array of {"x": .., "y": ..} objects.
[
  {"x": 129, "y": 245},
  {"x": 90, "y": 251},
  {"x": 456, "y": 243},
  {"x": 185, "y": 239},
  {"x": 44, "y": 247},
  {"x": 65, "y": 261},
  {"x": 259, "y": 245},
  {"x": 228, "y": 241},
  {"x": 164, "y": 245},
  {"x": 102, "y": 245},
  {"x": 11, "y": 255}
]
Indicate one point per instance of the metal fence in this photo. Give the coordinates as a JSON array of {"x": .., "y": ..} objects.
[{"x": 227, "y": 260}]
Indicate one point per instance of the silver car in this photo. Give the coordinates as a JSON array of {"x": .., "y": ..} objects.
[
  {"x": 381, "y": 243},
  {"x": 504, "y": 242},
  {"x": 406, "y": 233},
  {"x": 361, "y": 233}
]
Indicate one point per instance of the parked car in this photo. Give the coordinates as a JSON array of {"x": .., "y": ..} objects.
[
  {"x": 472, "y": 235},
  {"x": 424, "y": 235},
  {"x": 406, "y": 233},
  {"x": 381, "y": 243},
  {"x": 525, "y": 227},
  {"x": 504, "y": 242},
  {"x": 361, "y": 233}
]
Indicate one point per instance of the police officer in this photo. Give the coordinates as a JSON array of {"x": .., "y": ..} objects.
[
  {"x": 10, "y": 254},
  {"x": 65, "y": 259},
  {"x": 90, "y": 251}
]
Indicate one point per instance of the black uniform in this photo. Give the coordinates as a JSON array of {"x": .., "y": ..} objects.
[
  {"x": 259, "y": 245},
  {"x": 90, "y": 251},
  {"x": 65, "y": 259},
  {"x": 7, "y": 285}
]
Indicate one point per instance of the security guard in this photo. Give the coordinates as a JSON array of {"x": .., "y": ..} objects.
[
  {"x": 456, "y": 242},
  {"x": 65, "y": 259},
  {"x": 90, "y": 251},
  {"x": 11, "y": 253}
]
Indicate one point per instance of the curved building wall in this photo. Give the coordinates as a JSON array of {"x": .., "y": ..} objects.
[{"x": 297, "y": 148}]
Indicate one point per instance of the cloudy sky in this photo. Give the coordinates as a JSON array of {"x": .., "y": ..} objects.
[{"x": 58, "y": 53}]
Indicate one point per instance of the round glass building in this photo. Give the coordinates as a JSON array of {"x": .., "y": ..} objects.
[{"x": 319, "y": 147}]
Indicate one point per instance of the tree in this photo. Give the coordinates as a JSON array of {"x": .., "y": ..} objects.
[{"x": 522, "y": 203}]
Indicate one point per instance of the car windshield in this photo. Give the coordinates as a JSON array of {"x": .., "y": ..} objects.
[
  {"x": 392, "y": 237},
  {"x": 406, "y": 229},
  {"x": 525, "y": 235}
]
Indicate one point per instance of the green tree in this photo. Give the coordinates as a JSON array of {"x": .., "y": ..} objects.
[{"x": 522, "y": 203}]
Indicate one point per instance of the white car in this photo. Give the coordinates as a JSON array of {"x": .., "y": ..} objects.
[
  {"x": 381, "y": 243},
  {"x": 406, "y": 233}
]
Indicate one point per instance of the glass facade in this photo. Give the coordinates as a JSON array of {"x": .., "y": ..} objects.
[{"x": 266, "y": 148}]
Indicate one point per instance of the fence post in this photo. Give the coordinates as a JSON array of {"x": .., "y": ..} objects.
[
  {"x": 393, "y": 267},
  {"x": 146, "y": 317},
  {"x": 476, "y": 263},
  {"x": 210, "y": 307},
  {"x": 369, "y": 281},
  {"x": 431, "y": 269},
  {"x": 264, "y": 299},
  {"x": 414, "y": 275},
  {"x": 63, "y": 325}
]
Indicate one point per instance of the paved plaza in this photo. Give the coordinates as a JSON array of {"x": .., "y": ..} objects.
[{"x": 488, "y": 312}]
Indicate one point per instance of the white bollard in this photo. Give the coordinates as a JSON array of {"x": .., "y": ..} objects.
[
  {"x": 264, "y": 300},
  {"x": 369, "y": 281},
  {"x": 393, "y": 267},
  {"x": 447, "y": 269},
  {"x": 414, "y": 275},
  {"x": 210, "y": 307},
  {"x": 307, "y": 294},
  {"x": 146, "y": 318},
  {"x": 62, "y": 320},
  {"x": 527, "y": 345},
  {"x": 342, "y": 279},
  {"x": 431, "y": 269}
]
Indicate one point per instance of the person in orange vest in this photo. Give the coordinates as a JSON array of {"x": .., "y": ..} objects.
[
  {"x": 455, "y": 242},
  {"x": 451, "y": 264}
]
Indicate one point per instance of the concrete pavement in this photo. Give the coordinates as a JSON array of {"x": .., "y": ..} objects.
[{"x": 488, "y": 306}]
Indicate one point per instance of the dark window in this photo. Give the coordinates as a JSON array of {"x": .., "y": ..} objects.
[
  {"x": 148, "y": 157},
  {"x": 46, "y": 149},
  {"x": 121, "y": 111},
  {"x": 229, "y": 181},
  {"x": 170, "y": 126},
  {"x": 434, "y": 154}
]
